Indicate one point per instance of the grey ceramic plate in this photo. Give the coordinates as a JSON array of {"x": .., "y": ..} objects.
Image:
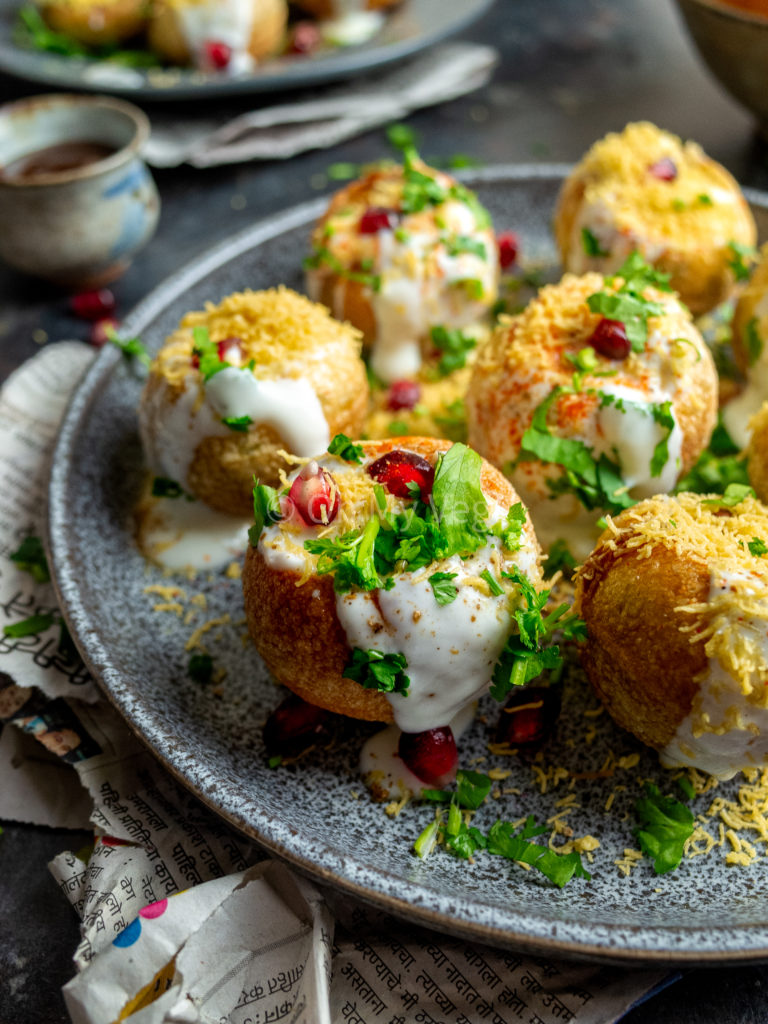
[
  {"x": 316, "y": 814},
  {"x": 407, "y": 30}
]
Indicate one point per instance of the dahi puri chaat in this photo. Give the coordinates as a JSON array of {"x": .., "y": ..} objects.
[
  {"x": 382, "y": 583},
  {"x": 675, "y": 601},
  {"x": 644, "y": 190},
  {"x": 212, "y": 34},
  {"x": 749, "y": 337},
  {"x": 240, "y": 383},
  {"x": 400, "y": 253},
  {"x": 96, "y": 22},
  {"x": 599, "y": 393}
]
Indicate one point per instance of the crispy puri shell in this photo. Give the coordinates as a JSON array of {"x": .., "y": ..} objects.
[
  {"x": 166, "y": 36},
  {"x": 757, "y": 454},
  {"x": 746, "y": 309},
  {"x": 97, "y": 24},
  {"x": 640, "y": 664},
  {"x": 295, "y": 628},
  {"x": 347, "y": 300}
]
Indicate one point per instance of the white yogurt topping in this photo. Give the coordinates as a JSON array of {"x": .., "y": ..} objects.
[
  {"x": 719, "y": 699},
  {"x": 171, "y": 431},
  {"x": 599, "y": 218},
  {"x": 738, "y": 412},
  {"x": 221, "y": 21},
  {"x": 179, "y": 534}
]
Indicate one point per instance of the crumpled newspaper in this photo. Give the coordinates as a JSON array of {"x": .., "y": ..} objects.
[
  {"x": 281, "y": 131},
  {"x": 182, "y": 919}
]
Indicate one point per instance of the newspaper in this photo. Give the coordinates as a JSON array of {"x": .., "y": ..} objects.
[{"x": 183, "y": 919}]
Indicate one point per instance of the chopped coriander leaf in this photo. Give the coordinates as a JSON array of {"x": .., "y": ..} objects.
[
  {"x": 665, "y": 826},
  {"x": 29, "y": 627},
  {"x": 322, "y": 256},
  {"x": 420, "y": 190},
  {"x": 524, "y": 656},
  {"x": 733, "y": 495},
  {"x": 472, "y": 788},
  {"x": 401, "y": 136},
  {"x": 462, "y": 160},
  {"x": 557, "y": 867},
  {"x": 741, "y": 260},
  {"x": 679, "y": 205},
  {"x": 200, "y": 668},
  {"x": 628, "y": 303},
  {"x": 585, "y": 359},
  {"x": 237, "y": 423},
  {"x": 591, "y": 244},
  {"x": 721, "y": 442},
  {"x": 132, "y": 348},
  {"x": 427, "y": 840},
  {"x": 343, "y": 171},
  {"x": 464, "y": 195},
  {"x": 473, "y": 286},
  {"x": 560, "y": 559},
  {"x": 266, "y": 510},
  {"x": 454, "y": 345},
  {"x": 351, "y": 558},
  {"x": 704, "y": 200},
  {"x": 458, "y": 244},
  {"x": 494, "y": 586},
  {"x": 718, "y": 466},
  {"x": 398, "y": 428},
  {"x": 30, "y": 557},
  {"x": 662, "y": 414},
  {"x": 753, "y": 341},
  {"x": 208, "y": 353},
  {"x": 275, "y": 761},
  {"x": 381, "y": 497},
  {"x": 401, "y": 235},
  {"x": 378, "y": 671},
  {"x": 164, "y": 487},
  {"x": 458, "y": 500},
  {"x": 453, "y": 420},
  {"x": 346, "y": 449},
  {"x": 757, "y": 547},
  {"x": 445, "y": 592},
  {"x": 510, "y": 531},
  {"x": 686, "y": 787}
]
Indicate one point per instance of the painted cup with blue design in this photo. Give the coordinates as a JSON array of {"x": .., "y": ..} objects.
[{"x": 81, "y": 226}]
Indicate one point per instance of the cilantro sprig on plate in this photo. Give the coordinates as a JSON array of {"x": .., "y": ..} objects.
[{"x": 665, "y": 826}]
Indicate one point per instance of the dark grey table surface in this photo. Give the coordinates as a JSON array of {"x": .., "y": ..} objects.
[{"x": 570, "y": 70}]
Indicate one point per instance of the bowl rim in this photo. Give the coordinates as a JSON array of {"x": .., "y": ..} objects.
[
  {"x": 137, "y": 117},
  {"x": 728, "y": 11}
]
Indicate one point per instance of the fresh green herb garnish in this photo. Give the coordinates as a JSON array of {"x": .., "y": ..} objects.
[
  {"x": 510, "y": 531},
  {"x": 494, "y": 586},
  {"x": 524, "y": 657},
  {"x": 471, "y": 789},
  {"x": 679, "y": 205},
  {"x": 754, "y": 342},
  {"x": 346, "y": 449},
  {"x": 704, "y": 200},
  {"x": 559, "y": 559},
  {"x": 322, "y": 256},
  {"x": 733, "y": 495},
  {"x": 32, "y": 32},
  {"x": 742, "y": 260},
  {"x": 454, "y": 345},
  {"x": 378, "y": 671},
  {"x": 30, "y": 557},
  {"x": 591, "y": 244},
  {"x": 275, "y": 761},
  {"x": 458, "y": 500},
  {"x": 132, "y": 348},
  {"x": 445, "y": 592},
  {"x": 237, "y": 423},
  {"x": 266, "y": 510},
  {"x": 584, "y": 360},
  {"x": 207, "y": 352},
  {"x": 686, "y": 787},
  {"x": 628, "y": 303},
  {"x": 351, "y": 558},
  {"x": 458, "y": 244},
  {"x": 453, "y": 420},
  {"x": 343, "y": 171},
  {"x": 398, "y": 428},
  {"x": 757, "y": 547},
  {"x": 473, "y": 286},
  {"x": 200, "y": 668},
  {"x": 401, "y": 137},
  {"x": 665, "y": 826},
  {"x": 29, "y": 627},
  {"x": 718, "y": 466},
  {"x": 164, "y": 487}
]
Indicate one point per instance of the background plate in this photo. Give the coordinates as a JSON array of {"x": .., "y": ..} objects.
[
  {"x": 412, "y": 27},
  {"x": 316, "y": 814}
]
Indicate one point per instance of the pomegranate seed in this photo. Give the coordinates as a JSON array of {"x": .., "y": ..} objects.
[
  {"x": 295, "y": 725},
  {"x": 397, "y": 469},
  {"x": 664, "y": 169},
  {"x": 378, "y": 218},
  {"x": 315, "y": 495},
  {"x": 430, "y": 755},
  {"x": 305, "y": 37},
  {"x": 529, "y": 726},
  {"x": 95, "y": 305},
  {"x": 403, "y": 394},
  {"x": 610, "y": 339},
  {"x": 217, "y": 54},
  {"x": 508, "y": 245},
  {"x": 229, "y": 350},
  {"x": 99, "y": 329}
]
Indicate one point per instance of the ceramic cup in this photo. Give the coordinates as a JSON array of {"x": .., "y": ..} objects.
[{"x": 80, "y": 227}]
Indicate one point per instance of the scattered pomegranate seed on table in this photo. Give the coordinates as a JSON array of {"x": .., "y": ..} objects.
[
  {"x": 378, "y": 218},
  {"x": 397, "y": 469},
  {"x": 296, "y": 725},
  {"x": 664, "y": 169},
  {"x": 509, "y": 247},
  {"x": 314, "y": 495},
  {"x": 218, "y": 54},
  {"x": 521, "y": 725},
  {"x": 100, "y": 330},
  {"x": 93, "y": 305},
  {"x": 305, "y": 38},
  {"x": 430, "y": 755},
  {"x": 610, "y": 339},
  {"x": 403, "y": 394}
]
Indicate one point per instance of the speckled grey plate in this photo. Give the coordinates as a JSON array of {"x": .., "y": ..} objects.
[
  {"x": 316, "y": 814},
  {"x": 407, "y": 30}
]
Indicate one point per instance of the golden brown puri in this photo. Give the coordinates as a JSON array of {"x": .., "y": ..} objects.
[
  {"x": 749, "y": 317},
  {"x": 640, "y": 664},
  {"x": 645, "y": 189},
  {"x": 323, "y": 9},
  {"x": 166, "y": 35},
  {"x": 757, "y": 453},
  {"x": 295, "y": 628},
  {"x": 97, "y": 23}
]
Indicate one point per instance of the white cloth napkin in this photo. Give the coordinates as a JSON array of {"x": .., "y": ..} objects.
[{"x": 279, "y": 132}]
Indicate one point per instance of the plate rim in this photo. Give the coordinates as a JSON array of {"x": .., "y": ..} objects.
[
  {"x": 87, "y": 392},
  {"x": 340, "y": 64}
]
